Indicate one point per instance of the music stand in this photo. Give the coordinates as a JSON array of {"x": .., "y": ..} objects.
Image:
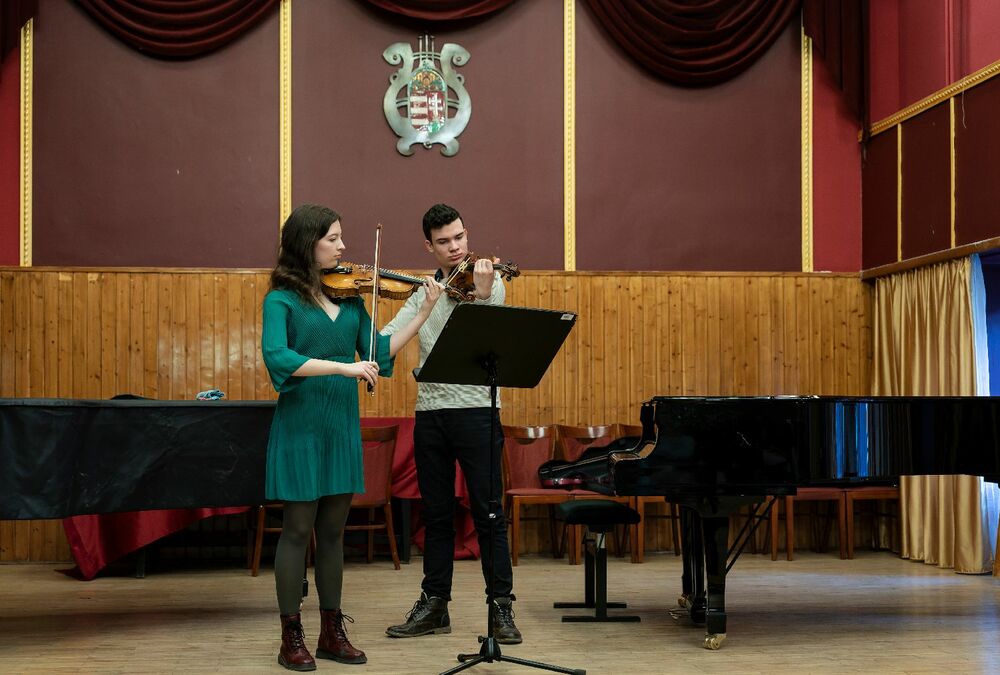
[{"x": 496, "y": 346}]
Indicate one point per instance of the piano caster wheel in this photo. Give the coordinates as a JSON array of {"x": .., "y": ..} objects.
[{"x": 714, "y": 640}]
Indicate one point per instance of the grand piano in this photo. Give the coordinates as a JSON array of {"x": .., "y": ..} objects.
[{"x": 713, "y": 456}]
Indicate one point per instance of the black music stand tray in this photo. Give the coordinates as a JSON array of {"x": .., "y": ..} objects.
[{"x": 496, "y": 346}]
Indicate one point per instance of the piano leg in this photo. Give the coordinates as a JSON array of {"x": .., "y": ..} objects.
[
  {"x": 693, "y": 559},
  {"x": 715, "y": 530}
]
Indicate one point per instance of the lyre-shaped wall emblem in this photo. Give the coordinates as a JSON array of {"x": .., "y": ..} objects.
[{"x": 426, "y": 101}]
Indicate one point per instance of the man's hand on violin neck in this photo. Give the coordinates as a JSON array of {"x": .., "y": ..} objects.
[
  {"x": 432, "y": 291},
  {"x": 482, "y": 275}
]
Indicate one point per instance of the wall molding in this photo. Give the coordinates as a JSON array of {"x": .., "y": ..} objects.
[
  {"x": 807, "y": 152},
  {"x": 569, "y": 135},
  {"x": 285, "y": 114},
  {"x": 25, "y": 158},
  {"x": 967, "y": 82}
]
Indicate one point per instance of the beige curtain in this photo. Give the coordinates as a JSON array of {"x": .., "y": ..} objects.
[{"x": 924, "y": 346}]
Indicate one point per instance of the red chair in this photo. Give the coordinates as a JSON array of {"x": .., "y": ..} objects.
[
  {"x": 379, "y": 447},
  {"x": 524, "y": 450}
]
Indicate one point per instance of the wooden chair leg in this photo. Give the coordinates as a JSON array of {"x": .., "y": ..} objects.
[
  {"x": 371, "y": 535},
  {"x": 258, "y": 541},
  {"x": 573, "y": 544},
  {"x": 775, "y": 511},
  {"x": 789, "y": 528},
  {"x": 638, "y": 532},
  {"x": 675, "y": 525},
  {"x": 849, "y": 508},
  {"x": 515, "y": 528},
  {"x": 842, "y": 524},
  {"x": 390, "y": 531},
  {"x": 555, "y": 543}
]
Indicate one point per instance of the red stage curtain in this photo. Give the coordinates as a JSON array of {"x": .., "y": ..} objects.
[
  {"x": 839, "y": 31},
  {"x": 694, "y": 43},
  {"x": 177, "y": 28},
  {"x": 441, "y": 10},
  {"x": 13, "y": 15}
]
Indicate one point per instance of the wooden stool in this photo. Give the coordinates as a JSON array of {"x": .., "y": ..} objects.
[
  {"x": 807, "y": 494},
  {"x": 856, "y": 494},
  {"x": 599, "y": 516}
]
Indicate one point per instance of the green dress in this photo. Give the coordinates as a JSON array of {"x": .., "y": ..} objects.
[{"x": 315, "y": 444}]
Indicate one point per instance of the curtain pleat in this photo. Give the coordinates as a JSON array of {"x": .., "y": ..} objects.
[
  {"x": 13, "y": 15},
  {"x": 925, "y": 346},
  {"x": 179, "y": 29},
  {"x": 694, "y": 43},
  {"x": 441, "y": 10}
]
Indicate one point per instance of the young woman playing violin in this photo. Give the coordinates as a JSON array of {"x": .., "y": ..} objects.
[
  {"x": 453, "y": 423},
  {"x": 314, "y": 461}
]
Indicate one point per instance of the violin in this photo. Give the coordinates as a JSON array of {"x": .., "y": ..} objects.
[
  {"x": 461, "y": 285},
  {"x": 348, "y": 280}
]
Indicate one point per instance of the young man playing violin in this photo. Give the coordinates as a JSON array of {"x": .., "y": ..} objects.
[{"x": 453, "y": 423}]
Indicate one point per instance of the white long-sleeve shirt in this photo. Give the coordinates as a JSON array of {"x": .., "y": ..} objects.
[{"x": 433, "y": 396}]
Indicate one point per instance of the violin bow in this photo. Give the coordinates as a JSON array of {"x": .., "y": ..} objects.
[{"x": 374, "y": 331}]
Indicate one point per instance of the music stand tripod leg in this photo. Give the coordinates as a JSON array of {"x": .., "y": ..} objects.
[
  {"x": 474, "y": 340},
  {"x": 490, "y": 650}
]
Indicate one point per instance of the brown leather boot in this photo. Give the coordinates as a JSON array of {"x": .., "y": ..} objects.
[
  {"x": 293, "y": 654},
  {"x": 333, "y": 642}
]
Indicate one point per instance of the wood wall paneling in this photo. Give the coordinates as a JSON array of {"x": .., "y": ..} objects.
[{"x": 171, "y": 333}]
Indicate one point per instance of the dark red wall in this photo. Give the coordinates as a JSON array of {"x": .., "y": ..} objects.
[
  {"x": 686, "y": 179},
  {"x": 506, "y": 179},
  {"x": 977, "y": 169},
  {"x": 879, "y": 213},
  {"x": 921, "y": 46},
  {"x": 10, "y": 143},
  {"x": 836, "y": 178},
  {"x": 139, "y": 161},
  {"x": 926, "y": 197}
]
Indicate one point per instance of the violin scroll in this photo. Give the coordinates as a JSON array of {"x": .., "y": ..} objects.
[{"x": 461, "y": 284}]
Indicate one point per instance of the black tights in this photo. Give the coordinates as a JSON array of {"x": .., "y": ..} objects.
[{"x": 328, "y": 515}]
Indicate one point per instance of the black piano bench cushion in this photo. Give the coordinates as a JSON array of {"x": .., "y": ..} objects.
[{"x": 599, "y": 515}]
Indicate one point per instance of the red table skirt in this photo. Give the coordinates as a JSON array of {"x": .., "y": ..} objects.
[{"x": 98, "y": 540}]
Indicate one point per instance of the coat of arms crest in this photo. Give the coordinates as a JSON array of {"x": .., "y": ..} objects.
[{"x": 426, "y": 101}]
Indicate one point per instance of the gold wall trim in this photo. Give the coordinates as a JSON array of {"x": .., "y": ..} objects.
[
  {"x": 25, "y": 175},
  {"x": 951, "y": 152},
  {"x": 899, "y": 193},
  {"x": 285, "y": 116},
  {"x": 807, "y": 153},
  {"x": 569, "y": 134},
  {"x": 965, "y": 83}
]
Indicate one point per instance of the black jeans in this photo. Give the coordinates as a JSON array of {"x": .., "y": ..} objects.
[{"x": 440, "y": 437}]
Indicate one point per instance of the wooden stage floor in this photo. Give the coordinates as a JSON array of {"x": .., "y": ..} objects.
[{"x": 818, "y": 614}]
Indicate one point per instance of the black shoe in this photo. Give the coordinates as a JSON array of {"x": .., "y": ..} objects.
[
  {"x": 429, "y": 615},
  {"x": 504, "y": 630}
]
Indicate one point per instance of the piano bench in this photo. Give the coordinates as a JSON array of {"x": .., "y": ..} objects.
[{"x": 599, "y": 516}]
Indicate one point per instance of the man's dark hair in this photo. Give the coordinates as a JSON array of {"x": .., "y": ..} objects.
[{"x": 437, "y": 217}]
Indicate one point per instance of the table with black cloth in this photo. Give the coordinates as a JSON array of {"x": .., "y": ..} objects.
[{"x": 125, "y": 473}]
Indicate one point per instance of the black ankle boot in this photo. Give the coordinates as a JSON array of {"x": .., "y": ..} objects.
[
  {"x": 504, "y": 630},
  {"x": 429, "y": 615}
]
